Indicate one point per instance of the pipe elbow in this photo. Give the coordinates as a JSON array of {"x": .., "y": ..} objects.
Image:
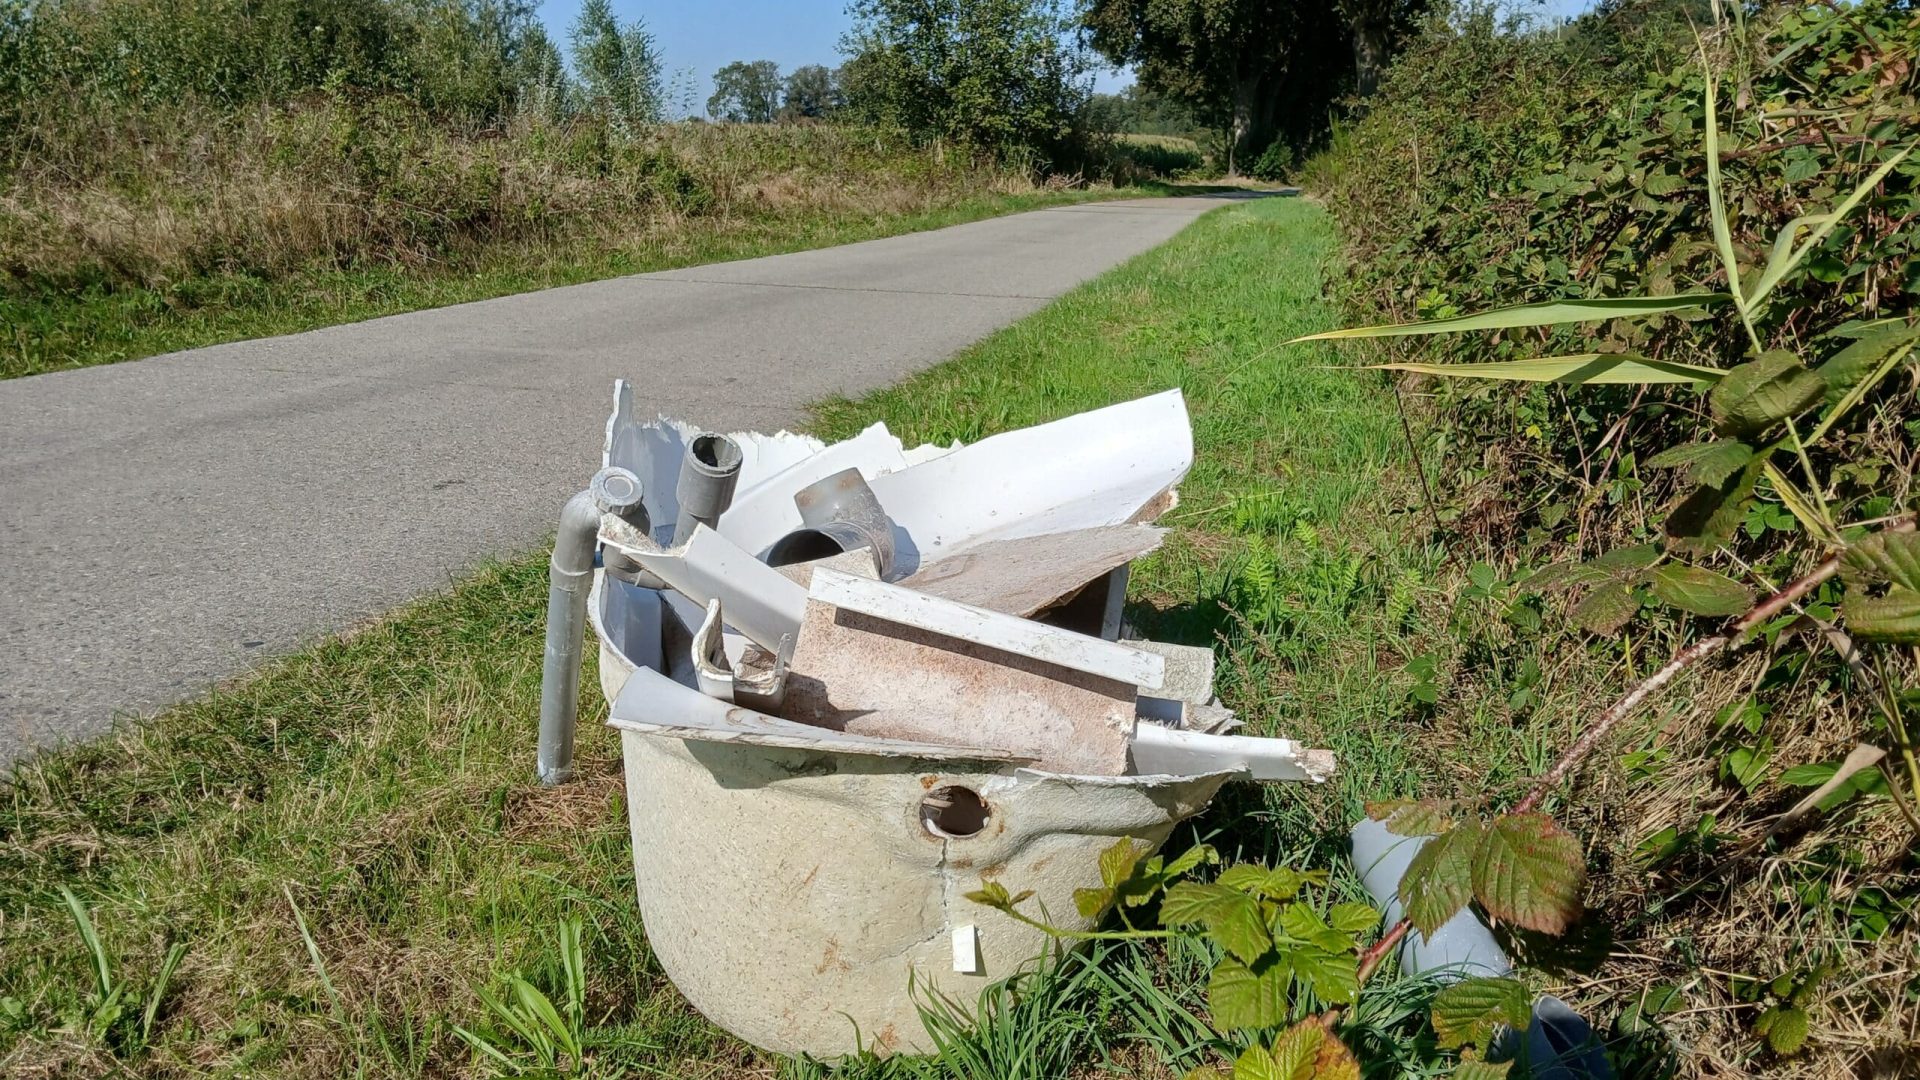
[{"x": 579, "y": 531}]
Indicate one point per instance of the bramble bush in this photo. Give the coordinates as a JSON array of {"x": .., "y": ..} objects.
[{"x": 1656, "y": 292}]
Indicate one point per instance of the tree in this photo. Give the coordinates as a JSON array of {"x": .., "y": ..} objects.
[
  {"x": 812, "y": 91},
  {"x": 746, "y": 92},
  {"x": 1256, "y": 70},
  {"x": 1231, "y": 60},
  {"x": 995, "y": 75},
  {"x": 618, "y": 67}
]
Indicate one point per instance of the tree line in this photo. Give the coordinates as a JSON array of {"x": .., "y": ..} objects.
[
  {"x": 1265, "y": 76},
  {"x": 1009, "y": 78}
]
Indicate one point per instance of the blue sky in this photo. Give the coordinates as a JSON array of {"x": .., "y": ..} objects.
[{"x": 700, "y": 38}]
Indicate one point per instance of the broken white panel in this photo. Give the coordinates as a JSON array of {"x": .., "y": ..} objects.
[
  {"x": 890, "y": 662},
  {"x": 765, "y": 512},
  {"x": 1105, "y": 467},
  {"x": 966, "y": 950},
  {"x": 653, "y": 449},
  {"x": 1161, "y": 751},
  {"x": 1008, "y": 633},
  {"x": 1029, "y": 574},
  {"x": 652, "y": 704},
  {"x": 760, "y": 602}
]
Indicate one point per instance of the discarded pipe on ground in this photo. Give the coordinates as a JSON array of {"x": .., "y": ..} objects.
[
  {"x": 838, "y": 513},
  {"x": 705, "y": 489},
  {"x": 613, "y": 491},
  {"x": 1558, "y": 1043}
]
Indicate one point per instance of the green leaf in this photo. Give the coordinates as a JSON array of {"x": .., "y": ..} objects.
[
  {"x": 1413, "y": 817},
  {"x": 1636, "y": 557},
  {"x": 1117, "y": 862},
  {"x": 1475, "y": 1069},
  {"x": 1334, "y": 976},
  {"x": 1886, "y": 556},
  {"x": 1785, "y": 1028},
  {"x": 1439, "y": 880},
  {"x": 96, "y": 952},
  {"x": 1088, "y": 902},
  {"x": 1747, "y": 764},
  {"x": 1278, "y": 883},
  {"x": 1762, "y": 392},
  {"x": 1576, "y": 370},
  {"x": 1302, "y": 923},
  {"x": 1249, "y": 996},
  {"x": 1231, "y": 917},
  {"x": 1716, "y": 201},
  {"x": 1810, "y": 775},
  {"x": 1702, "y": 592},
  {"x": 1705, "y": 462},
  {"x": 1293, "y": 1054},
  {"x": 1708, "y": 515},
  {"x": 1468, "y": 1012},
  {"x": 1189, "y": 859},
  {"x": 1853, "y": 363},
  {"x": 1893, "y": 618},
  {"x": 1606, "y": 609},
  {"x": 994, "y": 895},
  {"x": 1353, "y": 918},
  {"x": 1257, "y": 1064},
  {"x": 1653, "y": 1002},
  {"x": 1530, "y": 872},
  {"x": 1551, "y": 313}
]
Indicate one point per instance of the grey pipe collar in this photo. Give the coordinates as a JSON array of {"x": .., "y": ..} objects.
[{"x": 704, "y": 490}]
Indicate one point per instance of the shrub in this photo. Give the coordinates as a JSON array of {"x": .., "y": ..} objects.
[{"x": 1503, "y": 165}]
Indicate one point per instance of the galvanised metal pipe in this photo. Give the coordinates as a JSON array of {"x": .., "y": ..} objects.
[
  {"x": 705, "y": 488},
  {"x": 569, "y": 580}
]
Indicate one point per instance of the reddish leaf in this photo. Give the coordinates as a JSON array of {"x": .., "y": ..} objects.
[
  {"x": 1413, "y": 817},
  {"x": 1530, "y": 872},
  {"x": 1439, "y": 880}
]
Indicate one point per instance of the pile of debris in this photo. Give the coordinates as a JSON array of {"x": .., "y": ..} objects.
[{"x": 855, "y": 679}]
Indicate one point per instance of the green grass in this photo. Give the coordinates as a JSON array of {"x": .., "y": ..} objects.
[
  {"x": 105, "y": 326},
  {"x": 350, "y": 843}
]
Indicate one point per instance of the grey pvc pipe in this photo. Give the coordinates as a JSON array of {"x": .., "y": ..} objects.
[
  {"x": 569, "y": 580},
  {"x": 838, "y": 513},
  {"x": 1557, "y": 1045},
  {"x": 1461, "y": 947},
  {"x": 704, "y": 490}
]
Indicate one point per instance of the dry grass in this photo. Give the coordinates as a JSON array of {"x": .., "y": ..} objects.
[{"x": 158, "y": 199}]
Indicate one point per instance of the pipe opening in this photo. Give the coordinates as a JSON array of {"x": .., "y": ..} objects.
[
  {"x": 954, "y": 813},
  {"x": 803, "y": 545},
  {"x": 716, "y": 453}
]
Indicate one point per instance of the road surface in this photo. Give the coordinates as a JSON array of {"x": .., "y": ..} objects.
[{"x": 170, "y": 522}]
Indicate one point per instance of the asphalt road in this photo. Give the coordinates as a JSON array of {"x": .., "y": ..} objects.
[{"x": 168, "y": 523}]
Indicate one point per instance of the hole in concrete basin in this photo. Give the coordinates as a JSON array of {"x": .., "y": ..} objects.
[{"x": 954, "y": 812}]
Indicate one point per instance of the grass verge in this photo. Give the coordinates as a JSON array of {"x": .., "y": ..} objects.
[
  {"x": 98, "y": 325},
  {"x": 350, "y": 846}
]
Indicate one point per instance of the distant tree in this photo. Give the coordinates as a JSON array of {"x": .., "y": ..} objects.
[
  {"x": 811, "y": 91},
  {"x": 618, "y": 67},
  {"x": 998, "y": 75},
  {"x": 1253, "y": 69},
  {"x": 1375, "y": 26},
  {"x": 541, "y": 85},
  {"x": 746, "y": 92},
  {"x": 1139, "y": 110}
]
